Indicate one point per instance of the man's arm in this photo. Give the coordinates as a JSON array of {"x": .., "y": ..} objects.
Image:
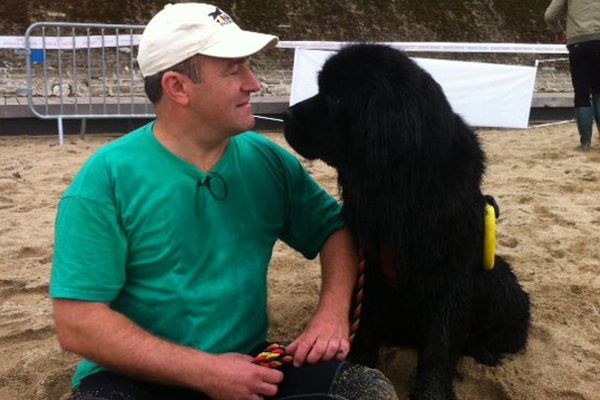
[
  {"x": 326, "y": 335},
  {"x": 553, "y": 14},
  {"x": 95, "y": 331}
]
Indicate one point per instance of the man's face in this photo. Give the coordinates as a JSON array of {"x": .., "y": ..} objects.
[{"x": 221, "y": 101}]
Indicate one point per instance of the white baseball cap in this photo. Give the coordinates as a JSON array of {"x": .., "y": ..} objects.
[{"x": 182, "y": 30}]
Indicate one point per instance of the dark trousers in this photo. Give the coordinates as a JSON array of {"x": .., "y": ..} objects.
[
  {"x": 308, "y": 382},
  {"x": 584, "y": 60}
]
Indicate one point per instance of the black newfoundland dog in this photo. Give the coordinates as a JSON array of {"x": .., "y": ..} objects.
[{"x": 410, "y": 172}]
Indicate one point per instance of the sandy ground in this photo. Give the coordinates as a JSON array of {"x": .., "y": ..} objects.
[{"x": 549, "y": 229}]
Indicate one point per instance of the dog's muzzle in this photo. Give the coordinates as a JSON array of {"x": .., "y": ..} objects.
[
  {"x": 303, "y": 110},
  {"x": 303, "y": 125}
]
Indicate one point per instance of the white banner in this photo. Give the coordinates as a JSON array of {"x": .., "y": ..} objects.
[{"x": 485, "y": 95}]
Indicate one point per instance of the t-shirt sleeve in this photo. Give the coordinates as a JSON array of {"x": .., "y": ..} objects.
[
  {"x": 90, "y": 248},
  {"x": 313, "y": 214}
]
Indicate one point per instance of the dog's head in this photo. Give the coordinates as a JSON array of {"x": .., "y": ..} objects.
[{"x": 374, "y": 106}]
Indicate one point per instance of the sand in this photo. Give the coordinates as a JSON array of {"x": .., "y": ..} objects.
[{"x": 549, "y": 229}]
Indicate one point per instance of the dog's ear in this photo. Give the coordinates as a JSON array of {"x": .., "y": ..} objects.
[
  {"x": 405, "y": 119},
  {"x": 390, "y": 125}
]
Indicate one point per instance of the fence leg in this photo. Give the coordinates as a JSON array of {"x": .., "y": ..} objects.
[
  {"x": 61, "y": 136},
  {"x": 83, "y": 126}
]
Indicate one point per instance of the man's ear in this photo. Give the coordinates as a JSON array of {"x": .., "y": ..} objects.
[{"x": 174, "y": 86}]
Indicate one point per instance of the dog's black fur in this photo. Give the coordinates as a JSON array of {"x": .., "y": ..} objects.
[{"x": 410, "y": 172}]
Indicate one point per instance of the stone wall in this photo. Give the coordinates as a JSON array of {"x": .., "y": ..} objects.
[
  {"x": 343, "y": 20},
  {"x": 391, "y": 20}
]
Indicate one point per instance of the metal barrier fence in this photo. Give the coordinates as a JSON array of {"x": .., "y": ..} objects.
[
  {"x": 83, "y": 70},
  {"x": 80, "y": 71}
]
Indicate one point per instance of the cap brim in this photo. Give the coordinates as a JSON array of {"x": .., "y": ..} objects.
[{"x": 240, "y": 44}]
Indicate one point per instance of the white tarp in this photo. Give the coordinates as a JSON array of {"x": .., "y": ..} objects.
[{"x": 485, "y": 95}]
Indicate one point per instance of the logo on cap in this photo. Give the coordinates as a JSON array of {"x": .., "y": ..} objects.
[{"x": 220, "y": 16}]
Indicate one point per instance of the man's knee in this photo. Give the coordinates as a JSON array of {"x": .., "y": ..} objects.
[{"x": 359, "y": 382}]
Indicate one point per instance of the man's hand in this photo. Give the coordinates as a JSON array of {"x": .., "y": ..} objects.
[
  {"x": 234, "y": 376},
  {"x": 325, "y": 338},
  {"x": 560, "y": 38}
]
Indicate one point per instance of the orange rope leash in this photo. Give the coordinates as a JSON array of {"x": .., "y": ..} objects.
[{"x": 358, "y": 300}]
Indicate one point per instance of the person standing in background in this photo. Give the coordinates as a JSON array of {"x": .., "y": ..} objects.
[{"x": 582, "y": 37}]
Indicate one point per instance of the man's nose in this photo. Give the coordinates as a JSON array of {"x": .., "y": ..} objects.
[{"x": 251, "y": 84}]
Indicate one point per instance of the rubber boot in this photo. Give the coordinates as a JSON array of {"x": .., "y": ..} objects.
[
  {"x": 596, "y": 107},
  {"x": 585, "y": 123}
]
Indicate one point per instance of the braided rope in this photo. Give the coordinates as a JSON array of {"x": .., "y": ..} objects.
[
  {"x": 275, "y": 356},
  {"x": 358, "y": 300}
]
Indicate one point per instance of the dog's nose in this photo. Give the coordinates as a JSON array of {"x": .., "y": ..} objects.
[
  {"x": 288, "y": 116},
  {"x": 288, "y": 121},
  {"x": 289, "y": 128}
]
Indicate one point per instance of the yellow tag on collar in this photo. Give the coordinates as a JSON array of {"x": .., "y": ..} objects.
[{"x": 489, "y": 237}]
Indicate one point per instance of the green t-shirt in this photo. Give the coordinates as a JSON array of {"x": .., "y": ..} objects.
[{"x": 181, "y": 252}]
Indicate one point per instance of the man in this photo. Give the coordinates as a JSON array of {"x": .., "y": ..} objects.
[
  {"x": 583, "y": 42},
  {"x": 163, "y": 239}
]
